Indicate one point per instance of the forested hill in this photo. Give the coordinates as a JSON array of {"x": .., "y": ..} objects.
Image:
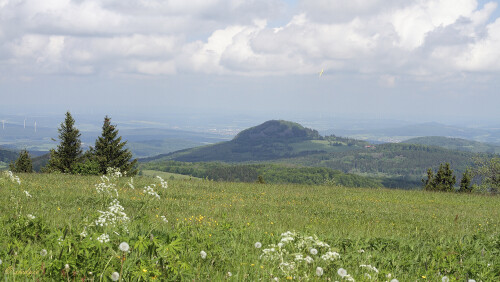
[
  {"x": 7, "y": 156},
  {"x": 456, "y": 144},
  {"x": 272, "y": 140}
]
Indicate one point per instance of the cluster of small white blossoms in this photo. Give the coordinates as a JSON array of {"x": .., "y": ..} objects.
[
  {"x": 163, "y": 183},
  {"x": 150, "y": 191},
  {"x": 12, "y": 177},
  {"x": 114, "y": 215},
  {"x": 296, "y": 255},
  {"x": 30, "y": 216},
  {"x": 104, "y": 238},
  {"x": 106, "y": 186},
  {"x": 28, "y": 195},
  {"x": 114, "y": 172},
  {"x": 131, "y": 183}
]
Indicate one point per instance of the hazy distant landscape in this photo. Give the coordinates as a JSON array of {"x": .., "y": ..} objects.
[{"x": 263, "y": 140}]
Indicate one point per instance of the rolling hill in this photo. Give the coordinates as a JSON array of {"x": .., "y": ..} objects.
[{"x": 272, "y": 140}]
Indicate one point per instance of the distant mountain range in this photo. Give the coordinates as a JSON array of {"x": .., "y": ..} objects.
[{"x": 401, "y": 133}]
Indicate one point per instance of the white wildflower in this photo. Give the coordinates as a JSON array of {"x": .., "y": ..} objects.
[
  {"x": 471, "y": 280},
  {"x": 445, "y": 279},
  {"x": 394, "y": 280},
  {"x": 258, "y": 245},
  {"x": 60, "y": 240},
  {"x": 164, "y": 218},
  {"x": 163, "y": 183},
  {"x": 342, "y": 272},
  {"x": 203, "y": 255},
  {"x": 30, "y": 216},
  {"x": 369, "y": 267},
  {"x": 299, "y": 257},
  {"x": 113, "y": 216},
  {"x": 313, "y": 251},
  {"x": 12, "y": 177},
  {"x": 368, "y": 276},
  {"x": 229, "y": 274},
  {"x": 131, "y": 183},
  {"x": 43, "y": 252},
  {"x": 330, "y": 256},
  {"x": 276, "y": 279},
  {"x": 124, "y": 247},
  {"x": 150, "y": 191},
  {"x": 348, "y": 277},
  {"x": 28, "y": 194},
  {"x": 104, "y": 238},
  {"x": 319, "y": 271},
  {"x": 287, "y": 239},
  {"x": 115, "y": 276},
  {"x": 66, "y": 267},
  {"x": 361, "y": 251},
  {"x": 280, "y": 245},
  {"x": 106, "y": 187},
  {"x": 309, "y": 259},
  {"x": 113, "y": 172},
  {"x": 84, "y": 232}
]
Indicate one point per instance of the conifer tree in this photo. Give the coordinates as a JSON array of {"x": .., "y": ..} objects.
[
  {"x": 109, "y": 151},
  {"x": 443, "y": 180},
  {"x": 23, "y": 163},
  {"x": 69, "y": 150},
  {"x": 465, "y": 186}
]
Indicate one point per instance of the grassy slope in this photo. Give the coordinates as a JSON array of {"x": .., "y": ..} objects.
[{"x": 410, "y": 234}]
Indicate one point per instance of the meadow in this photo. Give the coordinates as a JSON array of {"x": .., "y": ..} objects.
[{"x": 73, "y": 228}]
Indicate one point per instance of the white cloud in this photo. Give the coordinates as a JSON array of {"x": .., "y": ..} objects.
[{"x": 413, "y": 38}]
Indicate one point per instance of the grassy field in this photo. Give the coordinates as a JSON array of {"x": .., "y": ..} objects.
[{"x": 205, "y": 230}]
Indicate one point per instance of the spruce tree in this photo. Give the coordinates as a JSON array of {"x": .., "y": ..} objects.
[
  {"x": 465, "y": 186},
  {"x": 110, "y": 151},
  {"x": 23, "y": 163},
  {"x": 69, "y": 150}
]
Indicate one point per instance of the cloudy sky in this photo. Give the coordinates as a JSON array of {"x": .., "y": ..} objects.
[{"x": 390, "y": 58}]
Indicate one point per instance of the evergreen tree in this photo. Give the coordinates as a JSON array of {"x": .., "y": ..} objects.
[
  {"x": 23, "y": 163},
  {"x": 109, "y": 151},
  {"x": 69, "y": 150},
  {"x": 465, "y": 186},
  {"x": 444, "y": 180}
]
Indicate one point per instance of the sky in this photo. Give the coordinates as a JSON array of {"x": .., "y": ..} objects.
[{"x": 407, "y": 59}]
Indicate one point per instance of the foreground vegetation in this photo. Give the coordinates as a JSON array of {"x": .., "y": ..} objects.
[{"x": 51, "y": 228}]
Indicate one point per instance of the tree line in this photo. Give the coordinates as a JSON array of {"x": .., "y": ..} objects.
[
  {"x": 484, "y": 176},
  {"x": 69, "y": 157}
]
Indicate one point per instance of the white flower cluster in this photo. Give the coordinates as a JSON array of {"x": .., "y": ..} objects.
[
  {"x": 106, "y": 186},
  {"x": 12, "y": 177},
  {"x": 113, "y": 216},
  {"x": 164, "y": 218},
  {"x": 30, "y": 216},
  {"x": 114, "y": 172},
  {"x": 369, "y": 267},
  {"x": 163, "y": 183},
  {"x": 84, "y": 232},
  {"x": 150, "y": 191},
  {"x": 299, "y": 256},
  {"x": 104, "y": 238},
  {"x": 131, "y": 183},
  {"x": 27, "y": 194}
]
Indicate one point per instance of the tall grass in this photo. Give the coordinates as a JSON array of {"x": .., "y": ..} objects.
[{"x": 407, "y": 235}]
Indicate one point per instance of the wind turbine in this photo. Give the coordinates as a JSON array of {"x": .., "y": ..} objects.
[
  {"x": 3, "y": 124},
  {"x": 24, "y": 123},
  {"x": 35, "y": 126}
]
